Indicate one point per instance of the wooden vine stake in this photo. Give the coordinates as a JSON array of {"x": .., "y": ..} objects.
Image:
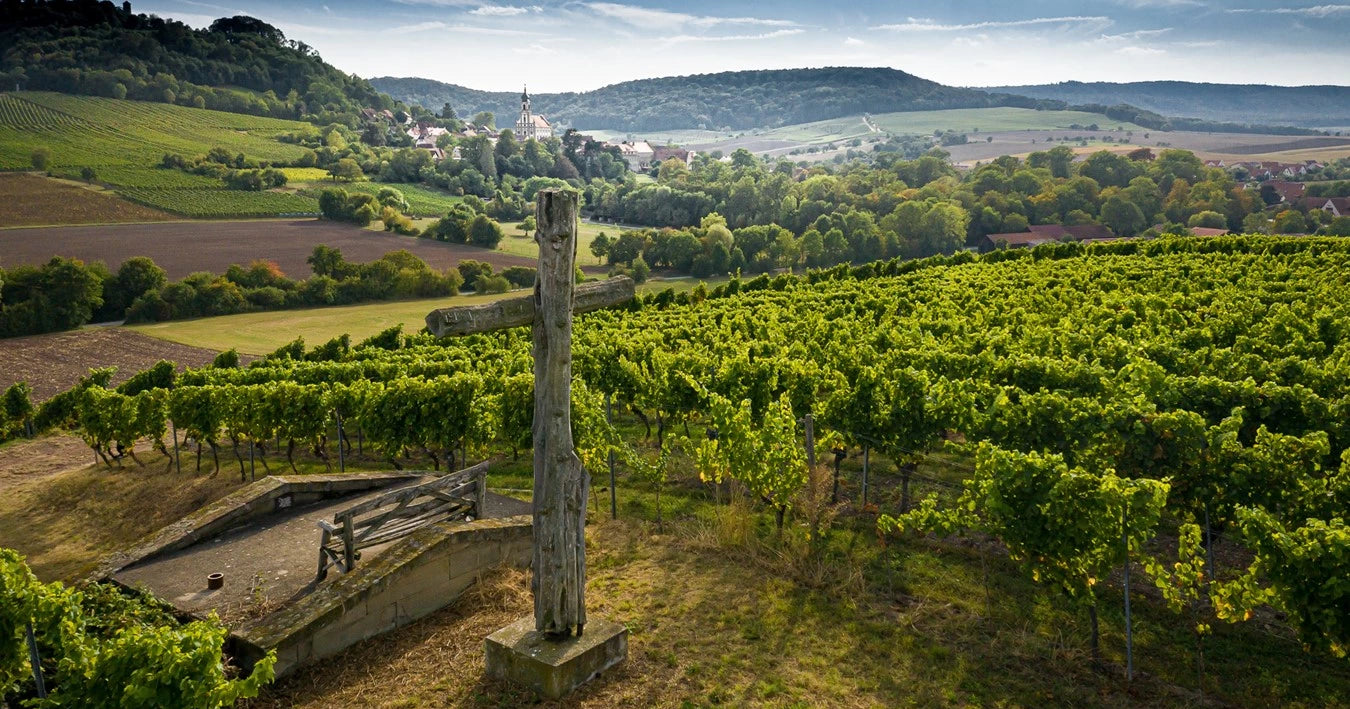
[{"x": 560, "y": 483}]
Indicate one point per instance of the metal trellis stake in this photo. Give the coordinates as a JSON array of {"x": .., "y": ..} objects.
[
  {"x": 1129, "y": 626},
  {"x": 613, "y": 493},
  {"x": 36, "y": 661},
  {"x": 867, "y": 459}
]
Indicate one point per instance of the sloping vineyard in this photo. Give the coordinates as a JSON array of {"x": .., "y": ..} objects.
[{"x": 1105, "y": 392}]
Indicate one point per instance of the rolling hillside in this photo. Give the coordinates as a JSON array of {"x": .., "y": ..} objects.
[
  {"x": 1307, "y": 106},
  {"x": 736, "y": 100},
  {"x": 124, "y": 142}
]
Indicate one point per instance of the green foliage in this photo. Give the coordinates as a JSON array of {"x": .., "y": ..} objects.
[{"x": 103, "y": 649}]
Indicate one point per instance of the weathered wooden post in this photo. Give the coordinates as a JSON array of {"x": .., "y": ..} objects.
[{"x": 559, "y": 648}]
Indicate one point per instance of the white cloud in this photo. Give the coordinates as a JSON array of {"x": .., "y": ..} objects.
[
  {"x": 1312, "y": 11},
  {"x": 1136, "y": 51},
  {"x": 734, "y": 38},
  {"x": 1160, "y": 3},
  {"x": 918, "y": 24},
  {"x": 499, "y": 11},
  {"x": 1137, "y": 34},
  {"x": 853, "y": 42},
  {"x": 439, "y": 26},
  {"x": 650, "y": 18},
  {"x": 535, "y": 48}
]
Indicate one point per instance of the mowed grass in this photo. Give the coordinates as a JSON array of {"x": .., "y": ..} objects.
[
  {"x": 30, "y": 200},
  {"x": 519, "y": 243},
  {"x": 261, "y": 333}
]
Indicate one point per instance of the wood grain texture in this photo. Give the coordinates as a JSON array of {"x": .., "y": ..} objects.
[
  {"x": 560, "y": 483},
  {"x": 514, "y": 312}
]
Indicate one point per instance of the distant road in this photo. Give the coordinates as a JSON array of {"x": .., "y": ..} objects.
[{"x": 183, "y": 247}]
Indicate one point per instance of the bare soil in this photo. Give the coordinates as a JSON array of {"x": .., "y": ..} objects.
[
  {"x": 181, "y": 248},
  {"x": 55, "y": 362},
  {"x": 33, "y": 200}
]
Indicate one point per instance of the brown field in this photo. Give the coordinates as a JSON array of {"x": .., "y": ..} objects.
[
  {"x": 55, "y": 362},
  {"x": 183, "y": 247},
  {"x": 30, "y": 200}
]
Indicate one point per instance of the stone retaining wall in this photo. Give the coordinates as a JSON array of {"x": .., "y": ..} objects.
[{"x": 414, "y": 577}]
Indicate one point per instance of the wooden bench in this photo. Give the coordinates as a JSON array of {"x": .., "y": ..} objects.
[{"x": 455, "y": 496}]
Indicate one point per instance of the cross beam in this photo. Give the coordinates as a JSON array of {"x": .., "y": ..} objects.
[{"x": 514, "y": 312}]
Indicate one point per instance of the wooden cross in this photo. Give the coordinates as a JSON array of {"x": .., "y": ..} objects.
[{"x": 560, "y": 483}]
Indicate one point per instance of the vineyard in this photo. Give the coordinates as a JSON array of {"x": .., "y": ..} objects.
[
  {"x": 219, "y": 203},
  {"x": 1108, "y": 409},
  {"x": 124, "y": 141}
]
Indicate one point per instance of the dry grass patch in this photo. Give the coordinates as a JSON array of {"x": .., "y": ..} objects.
[{"x": 66, "y": 522}]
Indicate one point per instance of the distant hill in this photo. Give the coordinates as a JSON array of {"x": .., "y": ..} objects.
[
  {"x": 1307, "y": 106},
  {"x": 239, "y": 64},
  {"x": 743, "y": 100},
  {"x": 736, "y": 100}
]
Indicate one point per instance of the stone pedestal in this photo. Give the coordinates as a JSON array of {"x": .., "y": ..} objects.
[{"x": 553, "y": 668}]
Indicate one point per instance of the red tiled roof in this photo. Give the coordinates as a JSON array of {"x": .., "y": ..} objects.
[{"x": 1289, "y": 191}]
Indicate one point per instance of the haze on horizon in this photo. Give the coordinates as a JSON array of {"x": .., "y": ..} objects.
[{"x": 577, "y": 45}]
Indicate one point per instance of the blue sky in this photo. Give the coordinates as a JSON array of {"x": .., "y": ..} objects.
[{"x": 573, "y": 45}]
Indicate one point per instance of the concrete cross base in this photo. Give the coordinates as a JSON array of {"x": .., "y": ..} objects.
[{"x": 554, "y": 668}]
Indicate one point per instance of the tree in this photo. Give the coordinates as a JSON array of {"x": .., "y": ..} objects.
[
  {"x": 527, "y": 225},
  {"x": 484, "y": 118},
  {"x": 600, "y": 246},
  {"x": 485, "y": 232},
  {"x": 41, "y": 159},
  {"x": 1123, "y": 217},
  {"x": 88, "y": 174},
  {"x": 1208, "y": 220},
  {"x": 1290, "y": 222},
  {"x": 448, "y": 113},
  {"x": 943, "y": 229},
  {"x": 346, "y": 170},
  {"x": 640, "y": 270}
]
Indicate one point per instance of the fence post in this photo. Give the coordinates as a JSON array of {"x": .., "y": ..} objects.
[
  {"x": 252, "y": 468},
  {"x": 342, "y": 461},
  {"x": 1129, "y": 627},
  {"x": 177, "y": 462},
  {"x": 810, "y": 442},
  {"x": 867, "y": 459},
  {"x": 613, "y": 493},
  {"x": 36, "y": 661}
]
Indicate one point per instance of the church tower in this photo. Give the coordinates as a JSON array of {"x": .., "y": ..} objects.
[{"x": 525, "y": 126}]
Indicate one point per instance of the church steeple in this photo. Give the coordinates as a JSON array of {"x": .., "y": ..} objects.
[{"x": 525, "y": 126}]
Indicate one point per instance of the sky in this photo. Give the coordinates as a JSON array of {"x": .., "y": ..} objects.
[{"x": 577, "y": 45}]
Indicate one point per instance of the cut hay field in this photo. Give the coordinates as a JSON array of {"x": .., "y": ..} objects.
[
  {"x": 28, "y": 200},
  {"x": 181, "y": 248},
  {"x": 518, "y": 243}
]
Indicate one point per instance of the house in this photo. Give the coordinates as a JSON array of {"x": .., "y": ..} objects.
[
  {"x": 1046, "y": 233},
  {"x": 1290, "y": 192},
  {"x": 1335, "y": 206},
  {"x": 637, "y": 153},
  {"x": 662, "y": 153}
]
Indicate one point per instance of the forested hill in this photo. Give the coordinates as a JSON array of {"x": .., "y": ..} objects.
[
  {"x": 1308, "y": 106},
  {"x": 239, "y": 64},
  {"x": 737, "y": 100}
]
